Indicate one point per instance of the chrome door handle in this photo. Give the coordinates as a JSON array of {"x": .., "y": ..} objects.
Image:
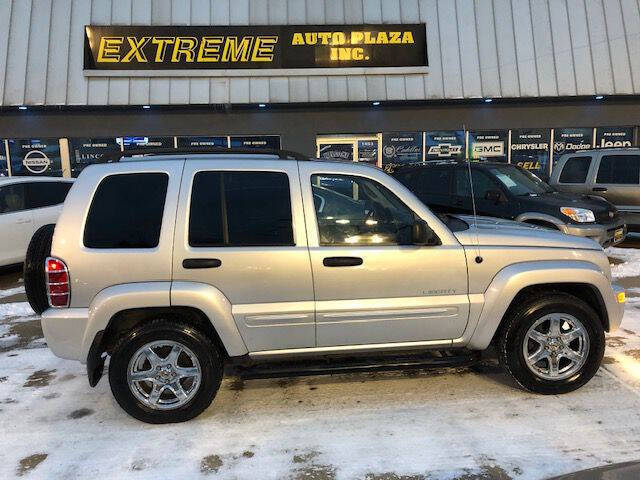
[{"x": 23, "y": 220}]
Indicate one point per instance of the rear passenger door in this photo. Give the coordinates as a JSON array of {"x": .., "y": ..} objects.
[
  {"x": 617, "y": 179},
  {"x": 16, "y": 225},
  {"x": 46, "y": 199},
  {"x": 432, "y": 185},
  {"x": 249, "y": 223}
]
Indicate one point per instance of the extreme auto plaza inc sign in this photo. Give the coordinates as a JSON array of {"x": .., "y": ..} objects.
[{"x": 254, "y": 47}]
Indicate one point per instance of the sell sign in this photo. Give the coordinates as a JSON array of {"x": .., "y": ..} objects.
[
  {"x": 531, "y": 150},
  {"x": 614, "y": 137},
  {"x": 35, "y": 157},
  {"x": 256, "y": 47}
]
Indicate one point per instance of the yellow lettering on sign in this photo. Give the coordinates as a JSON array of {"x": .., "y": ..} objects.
[
  {"x": 136, "y": 50},
  {"x": 162, "y": 43},
  {"x": 337, "y": 54},
  {"x": 324, "y": 37},
  {"x": 395, "y": 37},
  {"x": 184, "y": 47},
  {"x": 338, "y": 38},
  {"x": 263, "y": 50},
  {"x": 237, "y": 51},
  {"x": 407, "y": 37},
  {"x": 297, "y": 39},
  {"x": 109, "y": 50},
  {"x": 311, "y": 38},
  {"x": 382, "y": 38},
  {"x": 210, "y": 49},
  {"x": 357, "y": 37}
]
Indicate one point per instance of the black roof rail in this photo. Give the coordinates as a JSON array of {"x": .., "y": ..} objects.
[{"x": 113, "y": 157}]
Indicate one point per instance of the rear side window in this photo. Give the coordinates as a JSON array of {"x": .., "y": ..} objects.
[
  {"x": 620, "y": 169},
  {"x": 434, "y": 181},
  {"x": 126, "y": 211},
  {"x": 12, "y": 198},
  {"x": 575, "y": 170},
  {"x": 46, "y": 194},
  {"x": 231, "y": 209}
]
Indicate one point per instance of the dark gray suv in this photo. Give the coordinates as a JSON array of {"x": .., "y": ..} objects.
[{"x": 613, "y": 174}]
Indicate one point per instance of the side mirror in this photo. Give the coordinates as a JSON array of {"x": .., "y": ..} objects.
[
  {"x": 421, "y": 234},
  {"x": 493, "y": 196}
]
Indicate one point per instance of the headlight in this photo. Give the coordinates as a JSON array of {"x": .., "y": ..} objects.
[{"x": 580, "y": 215}]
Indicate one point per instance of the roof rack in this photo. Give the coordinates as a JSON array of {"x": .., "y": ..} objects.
[{"x": 113, "y": 157}]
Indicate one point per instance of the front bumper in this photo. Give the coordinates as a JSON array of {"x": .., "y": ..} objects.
[
  {"x": 605, "y": 235},
  {"x": 615, "y": 308}
]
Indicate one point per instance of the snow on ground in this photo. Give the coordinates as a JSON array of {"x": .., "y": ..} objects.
[{"x": 445, "y": 424}]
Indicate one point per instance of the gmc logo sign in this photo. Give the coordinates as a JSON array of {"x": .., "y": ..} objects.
[{"x": 488, "y": 149}]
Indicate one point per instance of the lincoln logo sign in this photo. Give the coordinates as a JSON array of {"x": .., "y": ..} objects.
[{"x": 254, "y": 47}]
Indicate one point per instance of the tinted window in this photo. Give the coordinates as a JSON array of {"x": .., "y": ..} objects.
[
  {"x": 481, "y": 183},
  {"x": 575, "y": 170},
  {"x": 434, "y": 181},
  {"x": 240, "y": 209},
  {"x": 12, "y": 198},
  {"x": 126, "y": 211},
  {"x": 622, "y": 169},
  {"x": 369, "y": 215},
  {"x": 46, "y": 194}
]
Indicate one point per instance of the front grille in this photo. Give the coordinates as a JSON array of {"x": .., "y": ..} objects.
[{"x": 603, "y": 217}]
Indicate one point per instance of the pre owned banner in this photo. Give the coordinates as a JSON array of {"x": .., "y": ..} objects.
[
  {"x": 401, "y": 147},
  {"x": 186, "y": 142},
  {"x": 444, "y": 144},
  {"x": 134, "y": 143},
  {"x": 336, "y": 151},
  {"x": 272, "y": 46},
  {"x": 614, "y": 137},
  {"x": 271, "y": 142},
  {"x": 35, "y": 157},
  {"x": 530, "y": 149},
  {"x": 4, "y": 171},
  {"x": 85, "y": 151},
  {"x": 568, "y": 140},
  {"x": 488, "y": 144}
]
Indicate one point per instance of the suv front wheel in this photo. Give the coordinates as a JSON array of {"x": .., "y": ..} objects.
[
  {"x": 552, "y": 343},
  {"x": 165, "y": 372}
]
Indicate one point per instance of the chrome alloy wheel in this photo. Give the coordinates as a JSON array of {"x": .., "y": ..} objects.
[
  {"x": 556, "y": 346},
  {"x": 164, "y": 375}
]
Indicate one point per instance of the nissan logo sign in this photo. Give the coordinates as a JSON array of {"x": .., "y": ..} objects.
[{"x": 36, "y": 161}]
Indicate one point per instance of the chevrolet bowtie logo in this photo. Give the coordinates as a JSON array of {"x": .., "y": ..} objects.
[{"x": 445, "y": 150}]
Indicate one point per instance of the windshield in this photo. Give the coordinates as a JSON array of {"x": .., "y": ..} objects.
[{"x": 519, "y": 181}]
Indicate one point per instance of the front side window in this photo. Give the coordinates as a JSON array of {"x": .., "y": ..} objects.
[
  {"x": 12, "y": 198},
  {"x": 231, "y": 209},
  {"x": 46, "y": 194},
  {"x": 126, "y": 211},
  {"x": 365, "y": 213},
  {"x": 575, "y": 170},
  {"x": 619, "y": 169},
  {"x": 481, "y": 183}
]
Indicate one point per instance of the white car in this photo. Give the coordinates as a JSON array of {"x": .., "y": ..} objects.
[{"x": 26, "y": 204}]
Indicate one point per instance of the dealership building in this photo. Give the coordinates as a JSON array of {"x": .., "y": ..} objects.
[{"x": 380, "y": 81}]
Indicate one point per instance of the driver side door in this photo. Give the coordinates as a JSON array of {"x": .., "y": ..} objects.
[
  {"x": 482, "y": 183},
  {"x": 371, "y": 285}
]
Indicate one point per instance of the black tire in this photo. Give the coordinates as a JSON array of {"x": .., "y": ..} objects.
[
  {"x": 210, "y": 360},
  {"x": 33, "y": 274},
  {"x": 513, "y": 334}
]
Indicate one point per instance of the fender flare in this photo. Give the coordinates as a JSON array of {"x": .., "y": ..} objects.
[
  {"x": 216, "y": 307},
  {"x": 512, "y": 279}
]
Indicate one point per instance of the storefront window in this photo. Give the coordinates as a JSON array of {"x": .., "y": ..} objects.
[
  {"x": 614, "y": 137},
  {"x": 271, "y": 142},
  {"x": 4, "y": 168},
  {"x": 400, "y": 148},
  {"x": 444, "y": 144},
  {"x": 187, "y": 142},
  {"x": 85, "y": 151},
  {"x": 568, "y": 140},
  {"x": 530, "y": 149},
  {"x": 133, "y": 143},
  {"x": 35, "y": 157},
  {"x": 488, "y": 145}
]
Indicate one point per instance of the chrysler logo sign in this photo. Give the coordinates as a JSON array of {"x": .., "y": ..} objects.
[{"x": 36, "y": 161}]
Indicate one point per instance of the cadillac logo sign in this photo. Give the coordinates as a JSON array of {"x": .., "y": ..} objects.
[{"x": 36, "y": 161}]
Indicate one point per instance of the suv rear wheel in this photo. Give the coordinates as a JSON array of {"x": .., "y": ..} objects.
[
  {"x": 165, "y": 372},
  {"x": 34, "y": 282},
  {"x": 552, "y": 344}
]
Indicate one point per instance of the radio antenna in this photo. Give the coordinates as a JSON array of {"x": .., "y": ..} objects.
[{"x": 479, "y": 258}]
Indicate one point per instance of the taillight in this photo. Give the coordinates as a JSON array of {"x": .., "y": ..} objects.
[{"x": 57, "y": 279}]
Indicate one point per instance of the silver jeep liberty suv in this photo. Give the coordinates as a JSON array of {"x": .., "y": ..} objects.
[{"x": 177, "y": 265}]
